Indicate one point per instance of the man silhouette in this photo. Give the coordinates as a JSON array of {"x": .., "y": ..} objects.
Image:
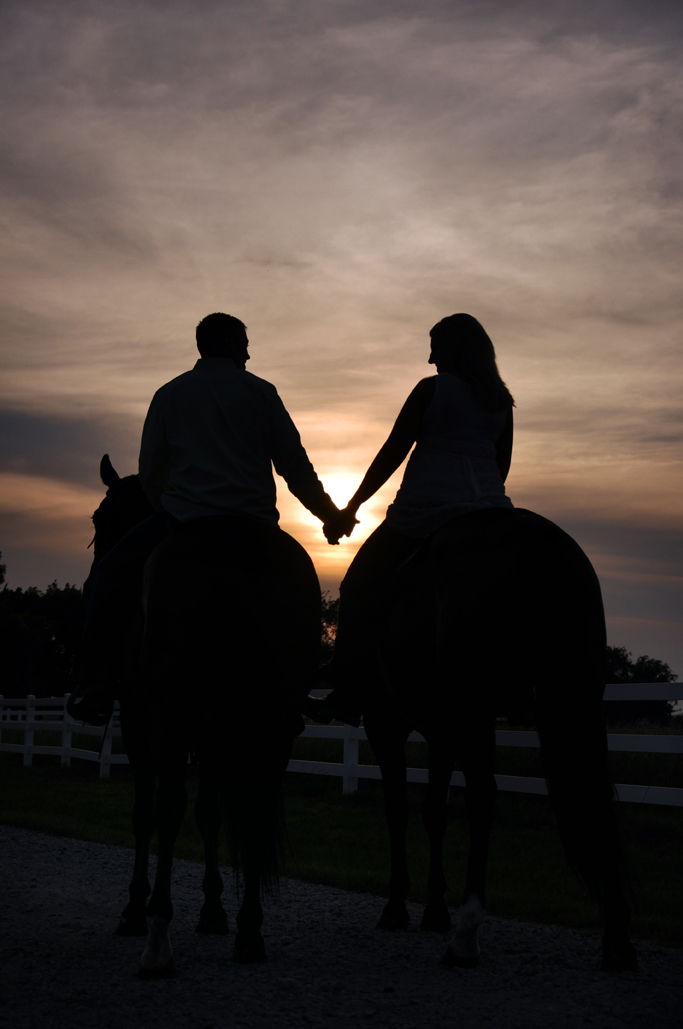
[
  {"x": 210, "y": 441},
  {"x": 212, "y": 435}
]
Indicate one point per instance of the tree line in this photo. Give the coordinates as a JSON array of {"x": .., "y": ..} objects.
[{"x": 40, "y": 640}]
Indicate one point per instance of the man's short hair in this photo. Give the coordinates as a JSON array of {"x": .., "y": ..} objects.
[{"x": 217, "y": 331}]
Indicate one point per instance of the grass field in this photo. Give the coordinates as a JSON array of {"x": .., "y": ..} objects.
[{"x": 341, "y": 840}]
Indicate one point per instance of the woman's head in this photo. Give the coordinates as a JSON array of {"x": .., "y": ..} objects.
[{"x": 461, "y": 345}]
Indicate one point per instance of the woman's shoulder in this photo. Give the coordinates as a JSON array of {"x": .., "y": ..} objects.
[
  {"x": 427, "y": 385},
  {"x": 411, "y": 414},
  {"x": 423, "y": 392}
]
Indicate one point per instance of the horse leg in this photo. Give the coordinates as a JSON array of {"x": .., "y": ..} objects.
[
  {"x": 157, "y": 957},
  {"x": 581, "y": 793},
  {"x": 133, "y": 918},
  {"x": 136, "y": 734},
  {"x": 207, "y": 813},
  {"x": 618, "y": 953},
  {"x": 436, "y": 917},
  {"x": 587, "y": 824},
  {"x": 477, "y": 759},
  {"x": 388, "y": 745},
  {"x": 254, "y": 838},
  {"x": 249, "y": 945}
]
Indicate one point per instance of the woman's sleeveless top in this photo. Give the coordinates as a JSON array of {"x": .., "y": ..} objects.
[{"x": 452, "y": 469}]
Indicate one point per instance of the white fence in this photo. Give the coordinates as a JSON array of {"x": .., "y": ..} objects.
[{"x": 49, "y": 715}]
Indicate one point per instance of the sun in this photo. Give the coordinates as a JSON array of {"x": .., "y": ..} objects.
[{"x": 341, "y": 486}]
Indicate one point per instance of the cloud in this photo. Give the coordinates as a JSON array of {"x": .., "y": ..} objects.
[
  {"x": 45, "y": 529},
  {"x": 341, "y": 176},
  {"x": 62, "y": 449}
]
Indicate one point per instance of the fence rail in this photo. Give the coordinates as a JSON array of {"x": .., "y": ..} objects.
[{"x": 29, "y": 715}]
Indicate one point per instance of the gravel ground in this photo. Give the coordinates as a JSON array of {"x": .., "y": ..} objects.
[{"x": 62, "y": 965}]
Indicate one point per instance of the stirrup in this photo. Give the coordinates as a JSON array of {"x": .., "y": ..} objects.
[
  {"x": 325, "y": 710},
  {"x": 93, "y": 705}
]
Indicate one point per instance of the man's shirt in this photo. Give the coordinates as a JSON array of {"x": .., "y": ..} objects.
[{"x": 209, "y": 442}]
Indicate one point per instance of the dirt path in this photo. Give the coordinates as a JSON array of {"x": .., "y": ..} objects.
[{"x": 63, "y": 968}]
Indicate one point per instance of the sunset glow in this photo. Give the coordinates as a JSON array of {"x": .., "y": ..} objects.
[{"x": 340, "y": 177}]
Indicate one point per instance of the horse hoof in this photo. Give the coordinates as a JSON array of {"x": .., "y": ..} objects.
[
  {"x": 132, "y": 925},
  {"x": 167, "y": 972},
  {"x": 618, "y": 956},
  {"x": 249, "y": 951},
  {"x": 157, "y": 957},
  {"x": 435, "y": 919},
  {"x": 451, "y": 959},
  {"x": 213, "y": 924},
  {"x": 393, "y": 919},
  {"x": 464, "y": 951}
]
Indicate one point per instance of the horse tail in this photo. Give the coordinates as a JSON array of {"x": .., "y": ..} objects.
[
  {"x": 582, "y": 794},
  {"x": 571, "y": 639},
  {"x": 256, "y": 834}
]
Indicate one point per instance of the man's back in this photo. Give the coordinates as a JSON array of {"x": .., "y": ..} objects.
[{"x": 209, "y": 442}]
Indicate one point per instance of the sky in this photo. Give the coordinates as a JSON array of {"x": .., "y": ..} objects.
[{"x": 340, "y": 176}]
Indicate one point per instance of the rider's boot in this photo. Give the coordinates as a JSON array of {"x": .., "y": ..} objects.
[{"x": 342, "y": 704}]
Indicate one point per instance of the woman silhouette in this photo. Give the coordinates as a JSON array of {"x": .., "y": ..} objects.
[{"x": 460, "y": 421}]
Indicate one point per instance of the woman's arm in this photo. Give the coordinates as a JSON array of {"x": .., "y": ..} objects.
[
  {"x": 504, "y": 447},
  {"x": 399, "y": 442}
]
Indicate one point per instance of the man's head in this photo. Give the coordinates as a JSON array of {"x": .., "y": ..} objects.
[{"x": 221, "y": 335}]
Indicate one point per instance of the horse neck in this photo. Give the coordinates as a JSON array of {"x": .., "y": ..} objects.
[{"x": 123, "y": 507}]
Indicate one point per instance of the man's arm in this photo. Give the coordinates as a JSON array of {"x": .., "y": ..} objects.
[
  {"x": 154, "y": 464},
  {"x": 292, "y": 463}
]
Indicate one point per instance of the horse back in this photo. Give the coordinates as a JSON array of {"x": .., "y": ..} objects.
[
  {"x": 502, "y": 608},
  {"x": 232, "y": 617}
]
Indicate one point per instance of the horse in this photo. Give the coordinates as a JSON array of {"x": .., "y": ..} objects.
[
  {"x": 123, "y": 507},
  {"x": 226, "y": 630},
  {"x": 500, "y": 611}
]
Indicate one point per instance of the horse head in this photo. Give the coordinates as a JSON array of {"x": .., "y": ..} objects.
[{"x": 123, "y": 506}]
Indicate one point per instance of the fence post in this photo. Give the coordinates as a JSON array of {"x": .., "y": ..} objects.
[
  {"x": 105, "y": 752},
  {"x": 67, "y": 722},
  {"x": 29, "y": 733},
  {"x": 349, "y": 781}
]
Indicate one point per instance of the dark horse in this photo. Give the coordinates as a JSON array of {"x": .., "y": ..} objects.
[
  {"x": 499, "y": 612},
  {"x": 218, "y": 658}
]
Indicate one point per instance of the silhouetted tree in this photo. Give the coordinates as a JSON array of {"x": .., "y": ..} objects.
[
  {"x": 40, "y": 639},
  {"x": 329, "y": 626},
  {"x": 622, "y": 668}
]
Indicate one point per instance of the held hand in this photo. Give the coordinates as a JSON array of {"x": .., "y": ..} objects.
[
  {"x": 346, "y": 522},
  {"x": 330, "y": 524},
  {"x": 330, "y": 535},
  {"x": 341, "y": 525}
]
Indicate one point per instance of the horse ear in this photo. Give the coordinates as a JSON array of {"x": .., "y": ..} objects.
[{"x": 108, "y": 473}]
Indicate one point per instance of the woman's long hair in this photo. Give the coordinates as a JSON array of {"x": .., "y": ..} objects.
[{"x": 473, "y": 359}]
